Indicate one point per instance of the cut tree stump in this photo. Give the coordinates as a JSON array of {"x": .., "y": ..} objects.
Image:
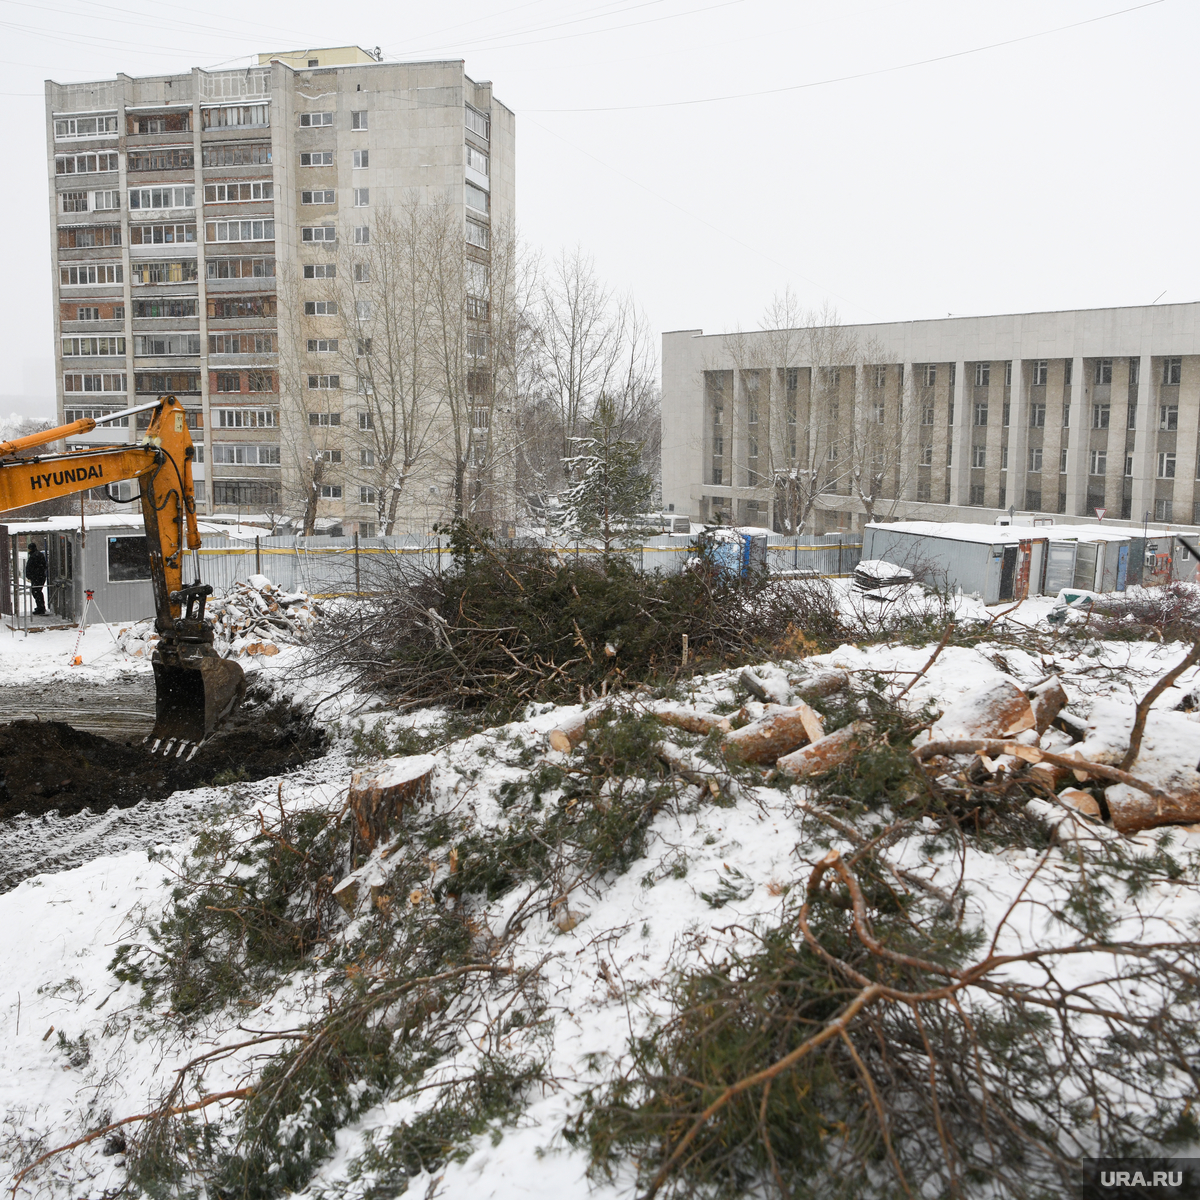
[
  {"x": 572, "y": 730},
  {"x": 778, "y": 732},
  {"x": 825, "y": 683},
  {"x": 996, "y": 710},
  {"x": 831, "y": 751},
  {"x": 1048, "y": 700},
  {"x": 1080, "y": 800},
  {"x": 692, "y": 721},
  {"x": 379, "y": 795}
]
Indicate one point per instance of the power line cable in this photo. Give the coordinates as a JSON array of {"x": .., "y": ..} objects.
[{"x": 816, "y": 83}]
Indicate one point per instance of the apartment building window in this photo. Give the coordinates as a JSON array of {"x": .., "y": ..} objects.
[
  {"x": 1068, "y": 371},
  {"x": 322, "y": 345},
  {"x": 361, "y": 160},
  {"x": 1037, "y": 416},
  {"x": 331, "y": 491},
  {"x": 1131, "y": 417},
  {"x": 950, "y": 455},
  {"x": 164, "y": 345},
  {"x": 166, "y": 306},
  {"x": 316, "y": 158},
  {"x": 229, "y": 116},
  {"x": 240, "y": 268},
  {"x": 979, "y": 456},
  {"x": 981, "y": 413},
  {"x": 362, "y": 235},
  {"x": 245, "y": 454},
  {"x": 927, "y": 456},
  {"x": 241, "y": 343},
  {"x": 239, "y": 193},
  {"x": 1135, "y": 371},
  {"x": 923, "y": 489},
  {"x": 976, "y": 493},
  {"x": 320, "y": 308},
  {"x": 1172, "y": 369},
  {"x": 81, "y": 127},
  {"x": 478, "y": 123},
  {"x": 88, "y": 314},
  {"x": 1008, "y": 373},
  {"x": 260, "y": 381},
  {"x": 326, "y": 196},
  {"x": 363, "y": 349},
  {"x": 86, "y": 274},
  {"x": 358, "y": 120},
  {"x": 1007, "y": 413},
  {"x": 1062, "y": 461},
  {"x": 366, "y": 495},
  {"x": 1103, "y": 371},
  {"x": 1168, "y": 416},
  {"x": 1004, "y": 458},
  {"x": 927, "y": 414},
  {"x": 330, "y": 456},
  {"x": 313, "y": 119},
  {"x": 1129, "y": 466},
  {"x": 362, "y": 197},
  {"x": 92, "y": 347},
  {"x": 239, "y": 231},
  {"x": 160, "y": 158},
  {"x": 1035, "y": 459},
  {"x": 101, "y": 382},
  {"x": 86, "y": 164},
  {"x": 324, "y": 383},
  {"x": 237, "y": 154},
  {"x": 324, "y": 419},
  {"x": 1099, "y": 463},
  {"x": 366, "y": 458},
  {"x": 1040, "y": 370},
  {"x": 320, "y": 270},
  {"x": 183, "y": 196},
  {"x": 1100, "y": 415},
  {"x": 175, "y": 121},
  {"x": 247, "y": 418},
  {"x": 228, "y": 493},
  {"x": 233, "y": 307},
  {"x": 82, "y": 237},
  {"x": 477, "y": 235},
  {"x": 362, "y": 272},
  {"x": 159, "y": 383},
  {"x": 161, "y": 235},
  {"x": 229, "y": 381},
  {"x": 1163, "y": 510},
  {"x": 1166, "y": 465},
  {"x": 983, "y": 374},
  {"x": 480, "y": 418},
  {"x": 73, "y": 202},
  {"x": 477, "y": 198},
  {"x": 929, "y": 374},
  {"x": 318, "y": 233}
]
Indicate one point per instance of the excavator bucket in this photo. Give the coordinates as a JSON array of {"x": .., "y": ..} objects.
[{"x": 195, "y": 691}]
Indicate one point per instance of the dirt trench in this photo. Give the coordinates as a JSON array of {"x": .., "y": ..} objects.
[{"x": 52, "y": 766}]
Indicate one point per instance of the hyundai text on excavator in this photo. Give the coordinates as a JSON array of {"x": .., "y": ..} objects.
[{"x": 195, "y": 688}]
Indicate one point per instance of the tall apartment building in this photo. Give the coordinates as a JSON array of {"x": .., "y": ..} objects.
[
  {"x": 198, "y": 223},
  {"x": 955, "y": 419}
]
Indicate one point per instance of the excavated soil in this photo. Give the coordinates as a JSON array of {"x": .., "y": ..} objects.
[{"x": 49, "y": 766}]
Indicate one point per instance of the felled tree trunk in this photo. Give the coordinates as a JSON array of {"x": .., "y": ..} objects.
[
  {"x": 995, "y": 710},
  {"x": 378, "y": 799},
  {"x": 1135, "y": 811},
  {"x": 774, "y": 734},
  {"x": 691, "y": 721},
  {"x": 1047, "y": 701},
  {"x": 831, "y": 751}
]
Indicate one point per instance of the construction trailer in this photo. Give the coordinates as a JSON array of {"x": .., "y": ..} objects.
[{"x": 1011, "y": 562}]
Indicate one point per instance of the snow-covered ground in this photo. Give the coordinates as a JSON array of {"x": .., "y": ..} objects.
[{"x": 604, "y": 962}]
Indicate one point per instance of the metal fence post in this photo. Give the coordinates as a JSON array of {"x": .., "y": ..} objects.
[
  {"x": 839, "y": 571},
  {"x": 257, "y": 554},
  {"x": 357, "y": 579}
]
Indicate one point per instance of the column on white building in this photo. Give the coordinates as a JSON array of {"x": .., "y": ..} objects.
[
  {"x": 1018, "y": 438},
  {"x": 960, "y": 439},
  {"x": 1144, "y": 442},
  {"x": 1077, "y": 444}
]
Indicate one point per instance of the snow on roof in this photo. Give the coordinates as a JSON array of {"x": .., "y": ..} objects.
[
  {"x": 1010, "y": 535},
  {"x": 67, "y": 524}
]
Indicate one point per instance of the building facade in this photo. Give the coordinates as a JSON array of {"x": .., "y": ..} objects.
[
  {"x": 204, "y": 226},
  {"x": 956, "y": 419}
]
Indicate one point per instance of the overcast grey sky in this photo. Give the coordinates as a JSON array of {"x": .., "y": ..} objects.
[{"x": 1058, "y": 170}]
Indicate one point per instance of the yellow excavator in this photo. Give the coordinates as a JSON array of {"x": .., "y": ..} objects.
[{"x": 195, "y": 688}]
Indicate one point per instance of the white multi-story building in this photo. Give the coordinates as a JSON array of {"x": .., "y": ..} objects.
[
  {"x": 962, "y": 418},
  {"x": 198, "y": 220}
]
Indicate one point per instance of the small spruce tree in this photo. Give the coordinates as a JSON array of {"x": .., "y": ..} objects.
[{"x": 611, "y": 490}]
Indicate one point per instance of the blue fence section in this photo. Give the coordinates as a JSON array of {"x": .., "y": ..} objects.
[{"x": 325, "y": 566}]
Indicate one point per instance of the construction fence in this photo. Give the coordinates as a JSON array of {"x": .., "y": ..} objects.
[{"x": 328, "y": 566}]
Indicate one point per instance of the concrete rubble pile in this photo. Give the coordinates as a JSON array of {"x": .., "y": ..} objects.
[{"x": 249, "y": 619}]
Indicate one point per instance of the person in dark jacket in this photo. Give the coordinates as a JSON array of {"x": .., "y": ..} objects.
[{"x": 35, "y": 572}]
